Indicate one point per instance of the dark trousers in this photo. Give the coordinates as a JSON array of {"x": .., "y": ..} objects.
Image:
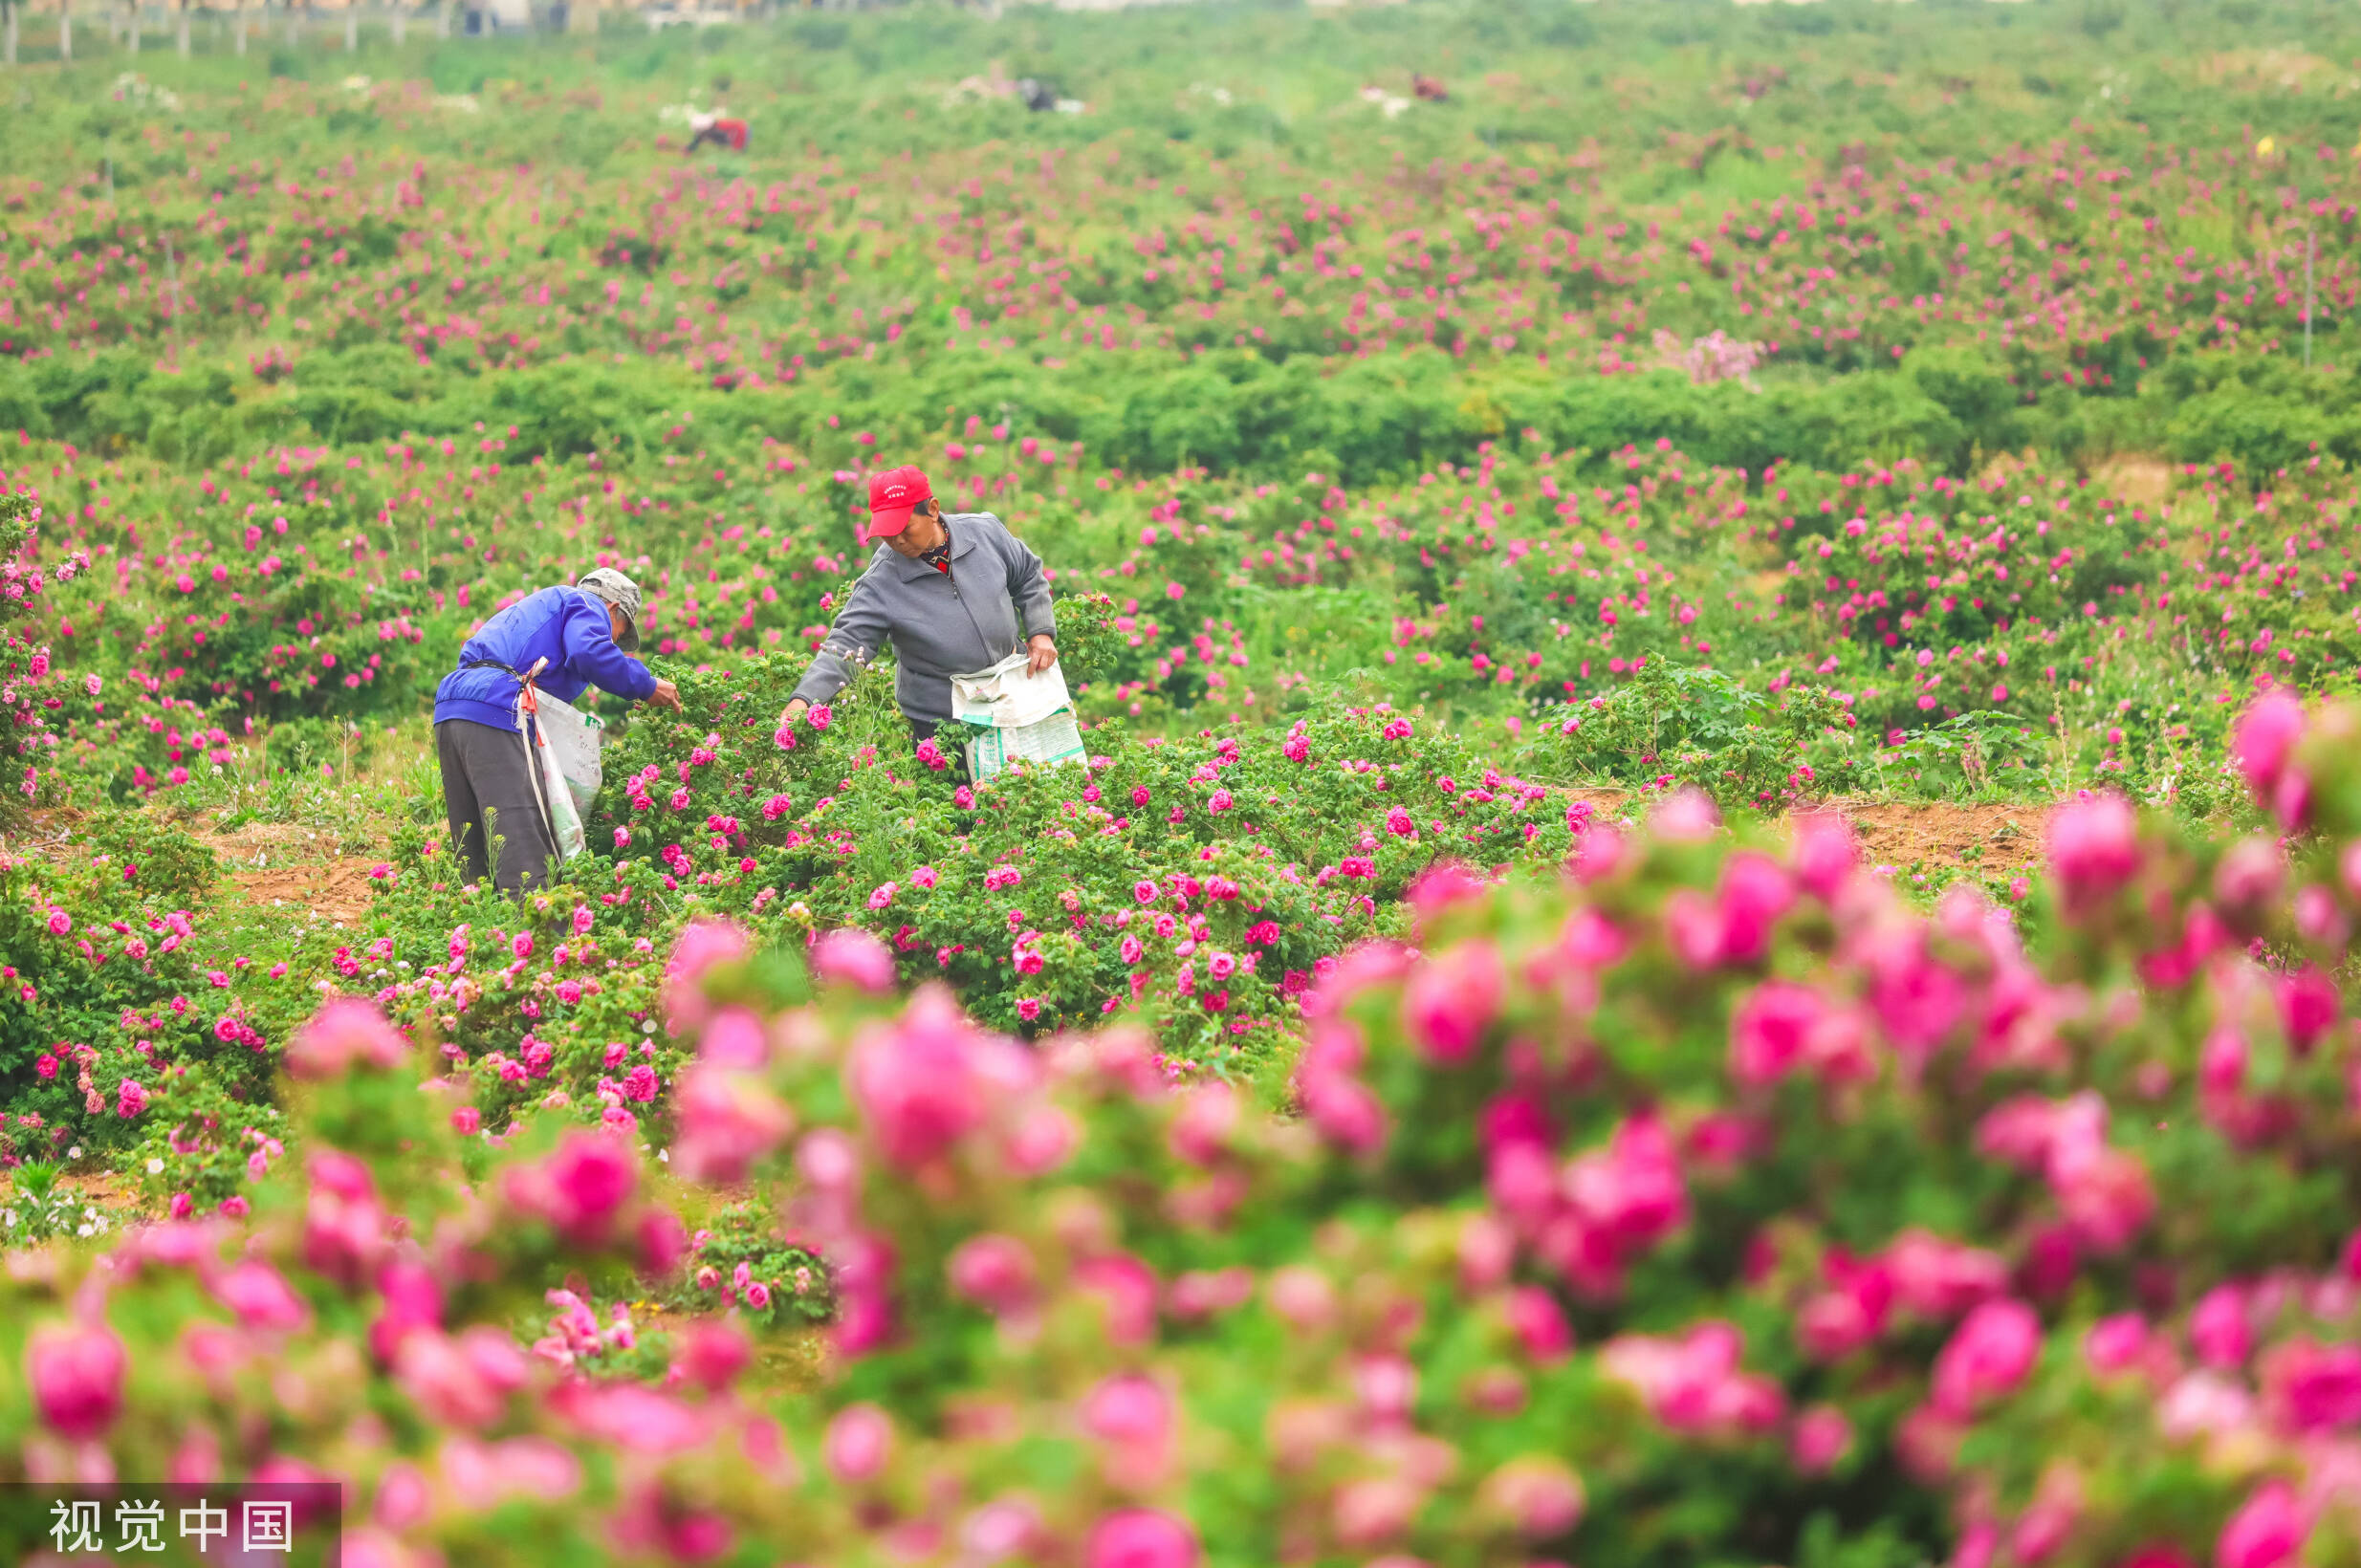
[
  {"x": 950, "y": 739},
  {"x": 488, "y": 792}
]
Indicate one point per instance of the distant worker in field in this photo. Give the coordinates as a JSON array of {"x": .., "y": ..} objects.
[
  {"x": 561, "y": 640},
  {"x": 954, "y": 594},
  {"x": 717, "y": 128}
]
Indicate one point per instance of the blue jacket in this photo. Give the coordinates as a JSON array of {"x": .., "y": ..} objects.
[{"x": 564, "y": 625}]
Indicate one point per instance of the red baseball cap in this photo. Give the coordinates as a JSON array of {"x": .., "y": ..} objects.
[{"x": 893, "y": 496}]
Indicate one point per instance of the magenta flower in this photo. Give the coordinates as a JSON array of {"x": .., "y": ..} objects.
[
  {"x": 1821, "y": 1438},
  {"x": 917, "y": 1084},
  {"x": 859, "y": 1443},
  {"x": 1540, "y": 1327},
  {"x": 995, "y": 1272},
  {"x": 2265, "y": 736},
  {"x": 2220, "y": 1330},
  {"x": 726, "y": 1124},
  {"x": 855, "y": 957},
  {"x": 2115, "y": 1344},
  {"x": 582, "y": 1189},
  {"x": 1451, "y": 999},
  {"x": 1986, "y": 1358},
  {"x": 260, "y": 1296},
  {"x": 2093, "y": 847},
  {"x": 1772, "y": 1029},
  {"x": 702, "y": 945},
  {"x": 2268, "y": 1531},
  {"x": 344, "y": 1033},
  {"x": 1142, "y": 1537},
  {"x": 75, "y": 1373}
]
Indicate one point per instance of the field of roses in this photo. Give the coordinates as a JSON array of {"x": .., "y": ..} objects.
[{"x": 1443, "y": 1082}]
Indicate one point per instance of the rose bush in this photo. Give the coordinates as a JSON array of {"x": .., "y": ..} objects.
[
  {"x": 1699, "y": 1198},
  {"x": 1305, "y": 1132}
]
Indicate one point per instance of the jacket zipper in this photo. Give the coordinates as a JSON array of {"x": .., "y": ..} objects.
[{"x": 974, "y": 624}]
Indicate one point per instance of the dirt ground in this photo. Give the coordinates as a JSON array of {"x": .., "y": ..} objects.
[
  {"x": 281, "y": 865},
  {"x": 269, "y": 865},
  {"x": 1998, "y": 837},
  {"x": 1899, "y": 833}
]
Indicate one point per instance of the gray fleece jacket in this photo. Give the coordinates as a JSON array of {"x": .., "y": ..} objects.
[{"x": 994, "y": 598}]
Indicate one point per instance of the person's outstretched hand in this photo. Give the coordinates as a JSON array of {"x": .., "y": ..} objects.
[
  {"x": 793, "y": 712},
  {"x": 667, "y": 696},
  {"x": 1044, "y": 653}
]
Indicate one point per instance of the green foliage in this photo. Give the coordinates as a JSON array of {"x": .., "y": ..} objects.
[
  {"x": 35, "y": 1209},
  {"x": 1673, "y": 726},
  {"x": 795, "y": 1283}
]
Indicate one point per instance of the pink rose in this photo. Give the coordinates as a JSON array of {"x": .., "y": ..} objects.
[
  {"x": 854, "y": 956},
  {"x": 344, "y": 1033},
  {"x": 1987, "y": 1356},
  {"x": 2093, "y": 847},
  {"x": 77, "y": 1377},
  {"x": 1140, "y": 1538},
  {"x": 859, "y": 1443},
  {"x": 2268, "y": 1530},
  {"x": 1451, "y": 999}
]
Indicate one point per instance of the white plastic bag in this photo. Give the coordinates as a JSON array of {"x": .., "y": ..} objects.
[
  {"x": 1008, "y": 696},
  {"x": 572, "y": 738},
  {"x": 1054, "y": 740},
  {"x": 565, "y": 821},
  {"x": 1014, "y": 715},
  {"x": 564, "y": 742}
]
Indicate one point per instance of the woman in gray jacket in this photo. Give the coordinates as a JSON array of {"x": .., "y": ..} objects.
[{"x": 953, "y": 594}]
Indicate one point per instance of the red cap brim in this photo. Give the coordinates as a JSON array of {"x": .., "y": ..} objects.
[{"x": 890, "y": 522}]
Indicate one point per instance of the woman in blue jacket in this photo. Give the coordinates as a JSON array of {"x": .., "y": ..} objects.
[{"x": 587, "y": 633}]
